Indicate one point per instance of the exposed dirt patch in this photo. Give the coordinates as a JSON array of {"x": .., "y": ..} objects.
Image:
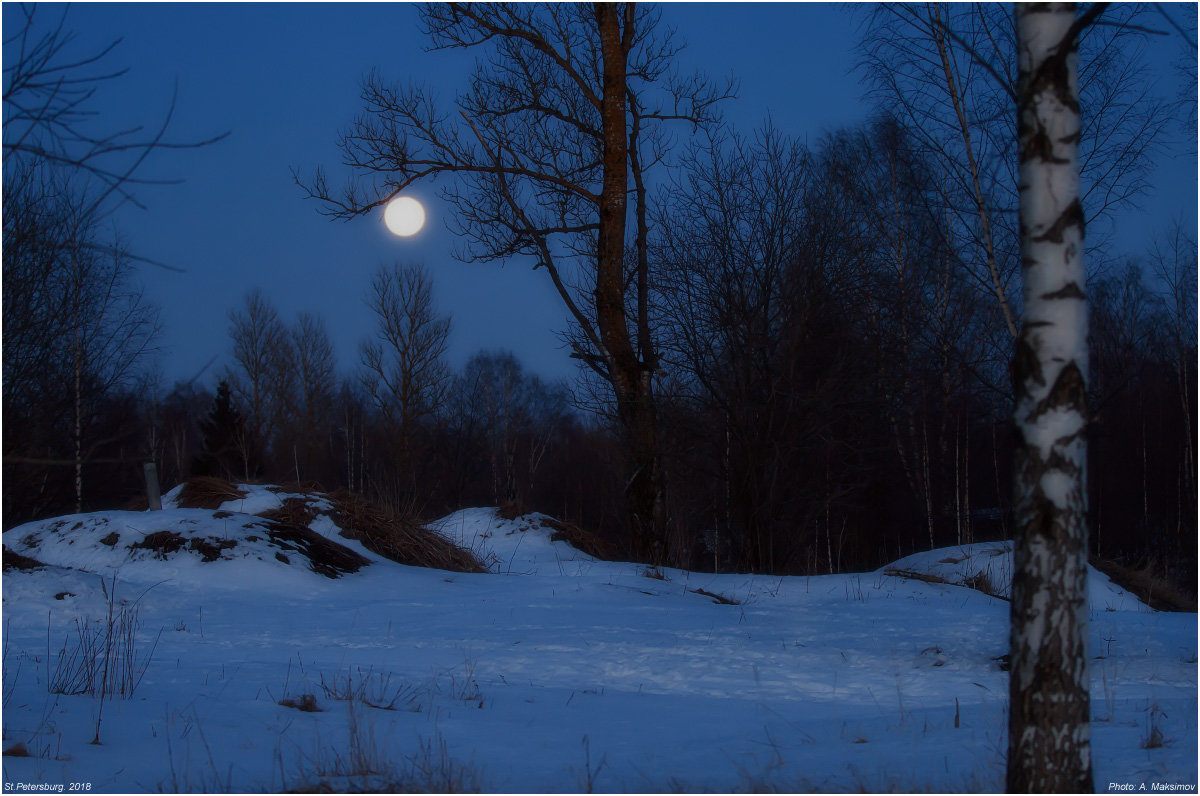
[
  {"x": 14, "y": 560},
  {"x": 207, "y": 492},
  {"x": 162, "y": 543},
  {"x": 210, "y": 548},
  {"x": 324, "y": 556}
]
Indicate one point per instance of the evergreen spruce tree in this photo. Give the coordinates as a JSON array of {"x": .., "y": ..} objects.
[{"x": 228, "y": 451}]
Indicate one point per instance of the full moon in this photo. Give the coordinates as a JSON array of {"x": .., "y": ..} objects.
[{"x": 404, "y": 216}]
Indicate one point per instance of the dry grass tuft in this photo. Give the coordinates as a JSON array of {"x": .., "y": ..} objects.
[
  {"x": 981, "y": 581},
  {"x": 582, "y": 540},
  {"x": 294, "y": 511},
  {"x": 912, "y": 574},
  {"x": 14, "y": 560},
  {"x": 207, "y": 492},
  {"x": 138, "y": 502},
  {"x": 401, "y": 539},
  {"x": 305, "y": 702},
  {"x": 511, "y": 509},
  {"x": 1149, "y": 584}
]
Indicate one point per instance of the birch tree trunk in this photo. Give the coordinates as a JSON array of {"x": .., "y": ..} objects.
[{"x": 1049, "y": 747}]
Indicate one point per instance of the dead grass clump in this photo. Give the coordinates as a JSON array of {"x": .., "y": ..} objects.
[
  {"x": 297, "y": 488},
  {"x": 207, "y": 492},
  {"x": 719, "y": 599},
  {"x": 294, "y": 511},
  {"x": 510, "y": 510},
  {"x": 162, "y": 543},
  {"x": 400, "y": 539},
  {"x": 1149, "y": 584},
  {"x": 982, "y": 581},
  {"x": 305, "y": 702},
  {"x": 581, "y": 540},
  {"x": 912, "y": 574},
  {"x": 138, "y": 502},
  {"x": 14, "y": 560},
  {"x": 325, "y": 557}
]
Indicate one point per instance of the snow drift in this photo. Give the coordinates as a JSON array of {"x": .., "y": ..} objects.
[{"x": 550, "y": 671}]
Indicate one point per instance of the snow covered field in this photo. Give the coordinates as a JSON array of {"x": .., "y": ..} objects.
[{"x": 554, "y": 672}]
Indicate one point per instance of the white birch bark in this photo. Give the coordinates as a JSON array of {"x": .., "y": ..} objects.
[{"x": 1049, "y": 747}]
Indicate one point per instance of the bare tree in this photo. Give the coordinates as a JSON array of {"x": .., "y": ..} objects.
[
  {"x": 948, "y": 72},
  {"x": 561, "y": 118},
  {"x": 311, "y": 425},
  {"x": 76, "y": 325},
  {"x": 1173, "y": 262},
  {"x": 1049, "y": 713},
  {"x": 50, "y": 118},
  {"x": 404, "y": 368},
  {"x": 263, "y": 377}
]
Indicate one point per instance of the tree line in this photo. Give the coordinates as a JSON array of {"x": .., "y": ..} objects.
[
  {"x": 816, "y": 338},
  {"x": 827, "y": 400},
  {"x": 794, "y": 359}
]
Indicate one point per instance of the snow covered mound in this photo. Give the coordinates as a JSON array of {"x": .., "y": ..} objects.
[
  {"x": 179, "y": 543},
  {"x": 527, "y": 545},
  {"x": 988, "y": 567}
]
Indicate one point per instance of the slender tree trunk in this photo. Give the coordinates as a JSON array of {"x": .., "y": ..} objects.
[
  {"x": 77, "y": 351},
  {"x": 1049, "y": 749},
  {"x": 631, "y": 377}
]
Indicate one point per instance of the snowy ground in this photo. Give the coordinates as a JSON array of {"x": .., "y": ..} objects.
[{"x": 555, "y": 672}]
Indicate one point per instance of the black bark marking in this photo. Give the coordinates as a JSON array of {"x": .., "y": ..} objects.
[
  {"x": 1025, "y": 368},
  {"x": 1068, "y": 390},
  {"x": 1071, "y": 216},
  {"x": 1068, "y": 291}
]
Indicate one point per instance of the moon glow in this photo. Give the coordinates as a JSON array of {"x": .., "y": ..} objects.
[{"x": 404, "y": 216}]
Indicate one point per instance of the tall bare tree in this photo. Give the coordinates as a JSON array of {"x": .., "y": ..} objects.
[
  {"x": 76, "y": 325},
  {"x": 1049, "y": 711},
  {"x": 263, "y": 376},
  {"x": 315, "y": 391},
  {"x": 404, "y": 367},
  {"x": 550, "y": 149},
  {"x": 948, "y": 72},
  {"x": 70, "y": 299}
]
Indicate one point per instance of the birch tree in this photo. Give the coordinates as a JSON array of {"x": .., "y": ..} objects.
[{"x": 1049, "y": 748}]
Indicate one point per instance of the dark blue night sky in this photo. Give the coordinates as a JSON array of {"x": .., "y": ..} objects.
[{"x": 283, "y": 80}]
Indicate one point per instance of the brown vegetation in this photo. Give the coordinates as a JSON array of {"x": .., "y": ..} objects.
[
  {"x": 325, "y": 557},
  {"x": 582, "y": 540},
  {"x": 1150, "y": 586},
  {"x": 207, "y": 492},
  {"x": 398, "y": 538},
  {"x": 14, "y": 560}
]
